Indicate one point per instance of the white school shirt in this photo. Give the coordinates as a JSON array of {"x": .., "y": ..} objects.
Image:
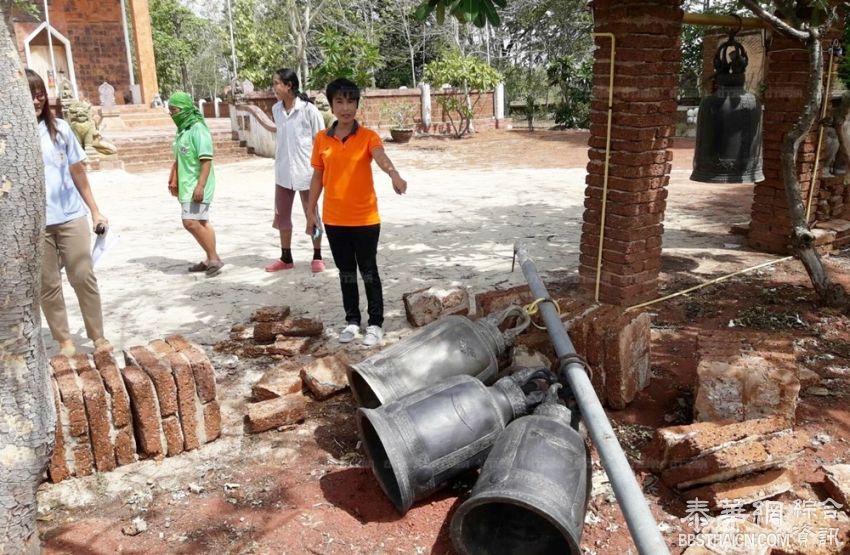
[
  {"x": 63, "y": 202},
  {"x": 294, "y": 143}
]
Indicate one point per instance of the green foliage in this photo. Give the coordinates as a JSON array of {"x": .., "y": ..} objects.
[
  {"x": 467, "y": 75},
  {"x": 478, "y": 12},
  {"x": 574, "y": 78},
  {"x": 349, "y": 55},
  {"x": 258, "y": 29},
  {"x": 176, "y": 33}
]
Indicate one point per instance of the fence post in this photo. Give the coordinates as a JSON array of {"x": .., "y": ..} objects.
[
  {"x": 217, "y": 106},
  {"x": 499, "y": 102},
  {"x": 201, "y": 103},
  {"x": 426, "y": 105}
]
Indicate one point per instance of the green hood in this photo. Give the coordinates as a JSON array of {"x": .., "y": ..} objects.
[{"x": 188, "y": 115}]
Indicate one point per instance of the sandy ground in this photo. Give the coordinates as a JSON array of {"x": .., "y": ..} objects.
[{"x": 456, "y": 225}]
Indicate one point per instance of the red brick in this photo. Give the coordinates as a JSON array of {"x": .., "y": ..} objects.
[
  {"x": 627, "y": 358},
  {"x": 746, "y": 490},
  {"x": 57, "y": 470},
  {"x": 201, "y": 366},
  {"x": 125, "y": 446},
  {"x": 71, "y": 396},
  {"x": 191, "y": 414},
  {"x": 737, "y": 460},
  {"x": 325, "y": 376},
  {"x": 277, "y": 412},
  {"x": 679, "y": 444},
  {"x": 114, "y": 384},
  {"x": 161, "y": 376},
  {"x": 212, "y": 421},
  {"x": 173, "y": 435},
  {"x": 490, "y": 302},
  {"x": 279, "y": 381},
  {"x": 266, "y": 332},
  {"x": 270, "y": 314},
  {"x": 83, "y": 463},
  {"x": 146, "y": 414},
  {"x": 289, "y": 346},
  {"x": 429, "y": 304},
  {"x": 100, "y": 425}
]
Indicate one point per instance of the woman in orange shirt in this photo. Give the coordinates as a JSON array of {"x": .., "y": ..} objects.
[{"x": 342, "y": 168}]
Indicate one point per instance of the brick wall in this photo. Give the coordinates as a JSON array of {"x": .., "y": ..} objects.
[
  {"x": 645, "y": 85},
  {"x": 96, "y": 34},
  {"x": 373, "y": 100}
]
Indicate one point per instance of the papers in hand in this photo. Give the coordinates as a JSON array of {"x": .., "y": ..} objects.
[{"x": 101, "y": 245}]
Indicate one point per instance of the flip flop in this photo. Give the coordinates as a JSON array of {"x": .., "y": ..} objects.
[
  {"x": 214, "y": 269},
  {"x": 199, "y": 267}
]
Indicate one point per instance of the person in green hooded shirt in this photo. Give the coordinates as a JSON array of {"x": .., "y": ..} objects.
[{"x": 192, "y": 178}]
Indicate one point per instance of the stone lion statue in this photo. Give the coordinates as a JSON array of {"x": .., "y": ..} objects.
[{"x": 82, "y": 121}]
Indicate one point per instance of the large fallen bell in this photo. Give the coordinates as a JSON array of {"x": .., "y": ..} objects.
[
  {"x": 450, "y": 346},
  {"x": 532, "y": 493},
  {"x": 419, "y": 442},
  {"x": 729, "y": 137}
]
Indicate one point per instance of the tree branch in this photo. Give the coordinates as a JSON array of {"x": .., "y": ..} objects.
[{"x": 774, "y": 21}]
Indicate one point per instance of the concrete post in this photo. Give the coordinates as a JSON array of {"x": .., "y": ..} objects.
[
  {"x": 499, "y": 102},
  {"x": 201, "y": 103},
  {"x": 217, "y": 106},
  {"x": 426, "y": 104}
]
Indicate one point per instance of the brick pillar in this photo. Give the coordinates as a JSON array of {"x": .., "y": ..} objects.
[
  {"x": 645, "y": 84},
  {"x": 143, "y": 40},
  {"x": 786, "y": 75}
]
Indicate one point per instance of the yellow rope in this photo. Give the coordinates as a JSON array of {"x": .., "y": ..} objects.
[{"x": 534, "y": 308}]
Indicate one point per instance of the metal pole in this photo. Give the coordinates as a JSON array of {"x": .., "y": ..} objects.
[
  {"x": 50, "y": 47},
  {"x": 232, "y": 42},
  {"x": 642, "y": 525},
  {"x": 127, "y": 43}
]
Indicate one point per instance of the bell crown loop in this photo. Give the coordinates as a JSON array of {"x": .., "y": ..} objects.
[
  {"x": 506, "y": 338},
  {"x": 730, "y": 63}
]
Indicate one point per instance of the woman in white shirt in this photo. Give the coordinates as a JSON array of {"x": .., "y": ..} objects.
[
  {"x": 67, "y": 242},
  {"x": 297, "y": 121}
]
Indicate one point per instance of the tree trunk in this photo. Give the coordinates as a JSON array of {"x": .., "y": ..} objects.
[
  {"x": 802, "y": 239},
  {"x": 26, "y": 399}
]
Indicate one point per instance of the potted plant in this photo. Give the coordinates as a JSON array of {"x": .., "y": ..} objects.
[{"x": 400, "y": 117}]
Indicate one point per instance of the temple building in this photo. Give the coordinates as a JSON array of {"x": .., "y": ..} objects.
[{"x": 76, "y": 45}]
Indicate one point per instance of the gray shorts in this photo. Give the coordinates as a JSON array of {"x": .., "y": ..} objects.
[{"x": 195, "y": 211}]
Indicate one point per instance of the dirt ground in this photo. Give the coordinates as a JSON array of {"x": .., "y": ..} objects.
[{"x": 307, "y": 489}]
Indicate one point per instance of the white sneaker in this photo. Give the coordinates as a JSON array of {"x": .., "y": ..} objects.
[
  {"x": 374, "y": 335},
  {"x": 348, "y": 333}
]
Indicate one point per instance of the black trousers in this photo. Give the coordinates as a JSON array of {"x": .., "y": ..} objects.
[{"x": 356, "y": 247}]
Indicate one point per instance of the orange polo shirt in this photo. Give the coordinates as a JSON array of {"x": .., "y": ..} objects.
[{"x": 349, "y": 190}]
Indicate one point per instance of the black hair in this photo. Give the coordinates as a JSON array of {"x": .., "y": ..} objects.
[
  {"x": 286, "y": 75},
  {"x": 344, "y": 88},
  {"x": 36, "y": 84}
]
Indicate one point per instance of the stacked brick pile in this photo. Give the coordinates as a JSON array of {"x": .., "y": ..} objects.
[
  {"x": 722, "y": 463},
  {"x": 161, "y": 403},
  {"x": 833, "y": 201},
  {"x": 272, "y": 332}
]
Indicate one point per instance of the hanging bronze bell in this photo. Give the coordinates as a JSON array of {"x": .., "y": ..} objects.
[{"x": 729, "y": 138}]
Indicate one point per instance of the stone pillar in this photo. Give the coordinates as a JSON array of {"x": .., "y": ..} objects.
[
  {"x": 644, "y": 113},
  {"x": 143, "y": 39}
]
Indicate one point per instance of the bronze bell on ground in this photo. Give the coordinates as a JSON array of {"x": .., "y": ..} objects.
[{"x": 728, "y": 145}]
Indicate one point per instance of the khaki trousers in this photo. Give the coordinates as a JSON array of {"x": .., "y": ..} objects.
[{"x": 68, "y": 245}]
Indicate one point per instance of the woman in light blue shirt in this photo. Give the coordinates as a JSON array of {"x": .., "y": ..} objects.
[{"x": 67, "y": 241}]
